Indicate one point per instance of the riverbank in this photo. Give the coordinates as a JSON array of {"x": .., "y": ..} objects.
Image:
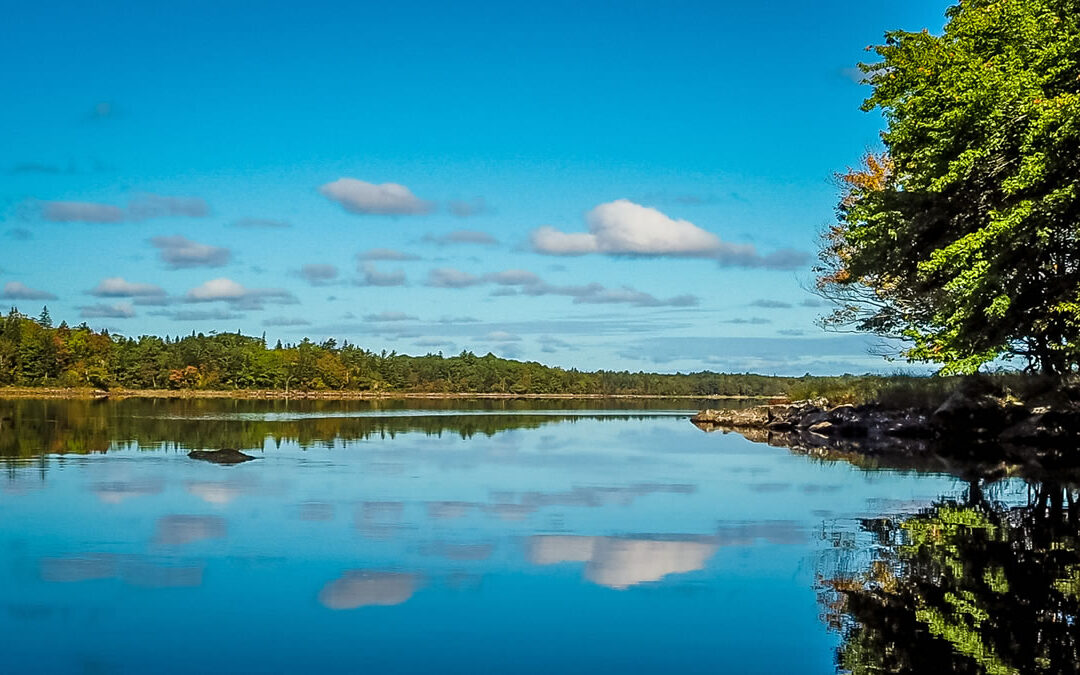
[
  {"x": 272, "y": 394},
  {"x": 978, "y": 422}
]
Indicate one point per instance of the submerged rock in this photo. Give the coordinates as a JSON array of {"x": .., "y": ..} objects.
[{"x": 223, "y": 456}]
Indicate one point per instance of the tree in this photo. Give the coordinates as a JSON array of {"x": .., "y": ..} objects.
[{"x": 963, "y": 237}]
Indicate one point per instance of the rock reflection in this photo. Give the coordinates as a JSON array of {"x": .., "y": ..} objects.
[
  {"x": 969, "y": 585},
  {"x": 131, "y": 569},
  {"x": 177, "y": 530},
  {"x": 366, "y": 588}
]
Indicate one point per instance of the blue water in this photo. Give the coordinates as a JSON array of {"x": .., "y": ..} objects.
[{"x": 615, "y": 542}]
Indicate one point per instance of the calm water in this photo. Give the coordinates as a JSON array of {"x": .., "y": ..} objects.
[{"x": 503, "y": 537}]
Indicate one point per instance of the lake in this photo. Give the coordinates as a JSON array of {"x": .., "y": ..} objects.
[{"x": 504, "y": 537}]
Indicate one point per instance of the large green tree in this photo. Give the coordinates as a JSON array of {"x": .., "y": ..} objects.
[{"x": 963, "y": 237}]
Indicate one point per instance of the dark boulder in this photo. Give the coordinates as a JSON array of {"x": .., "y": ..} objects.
[{"x": 223, "y": 456}]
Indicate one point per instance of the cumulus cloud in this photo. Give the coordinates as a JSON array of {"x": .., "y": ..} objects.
[
  {"x": 462, "y": 237},
  {"x": 371, "y": 275},
  {"x": 285, "y": 321},
  {"x": 383, "y": 317},
  {"x": 121, "y": 310},
  {"x": 622, "y": 227},
  {"x": 318, "y": 273},
  {"x": 238, "y": 295},
  {"x": 16, "y": 290},
  {"x": 466, "y": 209},
  {"x": 357, "y": 196},
  {"x": 142, "y": 207},
  {"x": 268, "y": 223},
  {"x": 118, "y": 287},
  {"x": 385, "y": 254},
  {"x": 179, "y": 252}
]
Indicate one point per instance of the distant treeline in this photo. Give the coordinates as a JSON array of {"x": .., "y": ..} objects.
[{"x": 34, "y": 352}]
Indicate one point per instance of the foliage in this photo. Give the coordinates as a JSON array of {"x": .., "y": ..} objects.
[
  {"x": 33, "y": 354},
  {"x": 963, "y": 238},
  {"x": 966, "y": 587}
]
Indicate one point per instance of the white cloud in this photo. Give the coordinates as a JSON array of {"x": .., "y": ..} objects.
[
  {"x": 118, "y": 287},
  {"x": 357, "y": 196},
  {"x": 622, "y": 227},
  {"x": 227, "y": 290},
  {"x": 16, "y": 290},
  {"x": 180, "y": 252}
]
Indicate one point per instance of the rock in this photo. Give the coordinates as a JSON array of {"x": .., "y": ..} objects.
[
  {"x": 824, "y": 428},
  {"x": 223, "y": 456},
  {"x": 749, "y": 417}
]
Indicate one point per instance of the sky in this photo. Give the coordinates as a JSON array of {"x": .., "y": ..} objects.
[{"x": 623, "y": 185}]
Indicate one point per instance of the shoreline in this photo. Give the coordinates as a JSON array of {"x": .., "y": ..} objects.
[{"x": 271, "y": 394}]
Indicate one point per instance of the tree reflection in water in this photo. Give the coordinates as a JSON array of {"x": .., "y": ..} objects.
[{"x": 964, "y": 586}]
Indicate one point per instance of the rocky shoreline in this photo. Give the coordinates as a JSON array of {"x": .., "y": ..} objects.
[{"x": 992, "y": 429}]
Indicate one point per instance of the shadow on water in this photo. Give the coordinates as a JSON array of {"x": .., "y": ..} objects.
[{"x": 968, "y": 585}]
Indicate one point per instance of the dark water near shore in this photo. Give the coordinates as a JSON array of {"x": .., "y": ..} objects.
[{"x": 506, "y": 536}]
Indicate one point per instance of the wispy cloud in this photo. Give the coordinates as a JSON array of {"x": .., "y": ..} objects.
[
  {"x": 357, "y": 196},
  {"x": 467, "y": 209},
  {"x": 622, "y": 227},
  {"x": 285, "y": 321},
  {"x": 462, "y": 237},
  {"x": 16, "y": 290},
  {"x": 318, "y": 274},
  {"x": 383, "y": 317},
  {"x": 122, "y": 310},
  {"x": 19, "y": 234},
  {"x": 142, "y": 207},
  {"x": 265, "y": 223},
  {"x": 199, "y": 315},
  {"x": 179, "y": 252},
  {"x": 371, "y": 275},
  {"x": 771, "y": 304},
  {"x": 523, "y": 282},
  {"x": 118, "y": 287},
  {"x": 385, "y": 254}
]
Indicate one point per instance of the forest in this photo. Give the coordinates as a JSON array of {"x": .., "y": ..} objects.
[{"x": 34, "y": 352}]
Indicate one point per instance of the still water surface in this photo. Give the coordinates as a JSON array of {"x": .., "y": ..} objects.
[{"x": 469, "y": 537}]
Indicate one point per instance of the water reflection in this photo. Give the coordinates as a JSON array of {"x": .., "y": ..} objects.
[
  {"x": 433, "y": 529},
  {"x": 365, "y": 588},
  {"x": 966, "y": 585}
]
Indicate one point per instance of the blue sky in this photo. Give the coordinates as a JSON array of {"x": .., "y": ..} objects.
[{"x": 599, "y": 185}]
